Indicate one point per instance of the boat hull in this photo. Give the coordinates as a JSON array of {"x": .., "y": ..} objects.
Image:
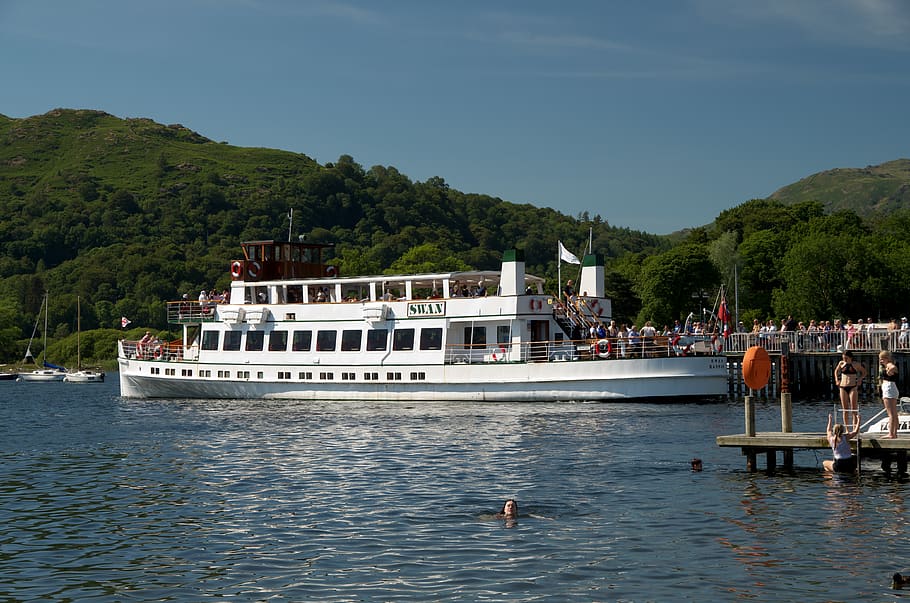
[
  {"x": 609, "y": 380},
  {"x": 42, "y": 376},
  {"x": 84, "y": 377}
]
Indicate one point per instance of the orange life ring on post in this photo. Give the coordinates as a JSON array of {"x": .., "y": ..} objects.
[
  {"x": 331, "y": 271},
  {"x": 253, "y": 269},
  {"x": 236, "y": 269},
  {"x": 498, "y": 355},
  {"x": 604, "y": 348},
  {"x": 756, "y": 367}
]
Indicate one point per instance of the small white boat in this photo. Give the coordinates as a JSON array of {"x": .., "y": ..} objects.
[
  {"x": 877, "y": 426},
  {"x": 84, "y": 376},
  {"x": 42, "y": 375},
  {"x": 48, "y": 372},
  {"x": 81, "y": 375}
]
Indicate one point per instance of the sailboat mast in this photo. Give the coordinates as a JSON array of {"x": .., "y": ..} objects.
[
  {"x": 44, "y": 351},
  {"x": 78, "y": 333}
]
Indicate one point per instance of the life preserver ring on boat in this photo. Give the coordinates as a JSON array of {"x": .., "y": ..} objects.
[
  {"x": 331, "y": 271},
  {"x": 159, "y": 352},
  {"x": 498, "y": 355},
  {"x": 595, "y": 308},
  {"x": 236, "y": 269},
  {"x": 253, "y": 269},
  {"x": 679, "y": 349},
  {"x": 536, "y": 304},
  {"x": 718, "y": 343},
  {"x": 603, "y": 348}
]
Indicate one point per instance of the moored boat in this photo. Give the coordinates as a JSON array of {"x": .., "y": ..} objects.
[
  {"x": 45, "y": 374},
  {"x": 82, "y": 375},
  {"x": 294, "y": 328},
  {"x": 48, "y": 371}
]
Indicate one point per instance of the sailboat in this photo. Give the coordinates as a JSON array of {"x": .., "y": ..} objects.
[
  {"x": 81, "y": 375},
  {"x": 48, "y": 372}
]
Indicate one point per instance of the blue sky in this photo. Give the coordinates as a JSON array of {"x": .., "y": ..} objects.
[{"x": 654, "y": 114}]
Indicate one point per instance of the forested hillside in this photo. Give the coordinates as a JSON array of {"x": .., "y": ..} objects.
[{"x": 127, "y": 214}]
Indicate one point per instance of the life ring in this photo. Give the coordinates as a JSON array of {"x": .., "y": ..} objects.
[
  {"x": 236, "y": 269},
  {"x": 331, "y": 271},
  {"x": 681, "y": 350},
  {"x": 536, "y": 304},
  {"x": 253, "y": 269},
  {"x": 604, "y": 348},
  {"x": 498, "y": 355},
  {"x": 595, "y": 308},
  {"x": 159, "y": 351},
  {"x": 718, "y": 343}
]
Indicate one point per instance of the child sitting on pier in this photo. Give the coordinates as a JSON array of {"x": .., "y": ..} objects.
[{"x": 844, "y": 461}]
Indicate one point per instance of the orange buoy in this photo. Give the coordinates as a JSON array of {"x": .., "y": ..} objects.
[{"x": 756, "y": 367}]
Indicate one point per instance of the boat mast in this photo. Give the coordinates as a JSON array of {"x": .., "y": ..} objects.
[
  {"x": 44, "y": 351},
  {"x": 78, "y": 333}
]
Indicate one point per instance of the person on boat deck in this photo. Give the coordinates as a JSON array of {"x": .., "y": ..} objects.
[
  {"x": 848, "y": 375},
  {"x": 203, "y": 296},
  {"x": 569, "y": 291},
  {"x": 844, "y": 461},
  {"x": 888, "y": 376},
  {"x": 509, "y": 510},
  {"x": 146, "y": 340}
]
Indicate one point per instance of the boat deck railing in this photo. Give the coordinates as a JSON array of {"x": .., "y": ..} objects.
[
  {"x": 584, "y": 349},
  {"x": 190, "y": 312},
  {"x": 538, "y": 351},
  {"x": 156, "y": 350}
]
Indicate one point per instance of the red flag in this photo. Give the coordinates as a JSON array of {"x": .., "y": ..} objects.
[{"x": 723, "y": 315}]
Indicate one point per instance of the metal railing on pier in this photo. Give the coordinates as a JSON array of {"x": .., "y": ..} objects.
[{"x": 872, "y": 340}]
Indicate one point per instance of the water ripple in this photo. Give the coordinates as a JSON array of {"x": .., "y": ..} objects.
[{"x": 112, "y": 500}]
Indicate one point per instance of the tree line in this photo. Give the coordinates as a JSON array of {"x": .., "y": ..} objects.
[{"x": 128, "y": 214}]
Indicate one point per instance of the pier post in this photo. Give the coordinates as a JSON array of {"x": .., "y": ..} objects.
[
  {"x": 786, "y": 400},
  {"x": 750, "y": 417}
]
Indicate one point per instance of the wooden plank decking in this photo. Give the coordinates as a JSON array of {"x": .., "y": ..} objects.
[{"x": 770, "y": 442}]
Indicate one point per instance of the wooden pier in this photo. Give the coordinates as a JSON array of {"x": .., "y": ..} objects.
[
  {"x": 769, "y": 443},
  {"x": 752, "y": 443}
]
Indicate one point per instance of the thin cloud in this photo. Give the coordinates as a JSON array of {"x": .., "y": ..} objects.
[{"x": 860, "y": 23}]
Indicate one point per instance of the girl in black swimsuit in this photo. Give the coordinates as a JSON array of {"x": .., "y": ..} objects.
[{"x": 848, "y": 375}]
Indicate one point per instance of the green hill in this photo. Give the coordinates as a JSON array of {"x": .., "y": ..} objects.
[
  {"x": 871, "y": 191},
  {"x": 129, "y": 213}
]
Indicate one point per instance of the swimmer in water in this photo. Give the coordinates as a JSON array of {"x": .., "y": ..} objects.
[{"x": 509, "y": 510}]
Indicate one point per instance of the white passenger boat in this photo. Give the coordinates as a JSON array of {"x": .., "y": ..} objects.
[{"x": 294, "y": 328}]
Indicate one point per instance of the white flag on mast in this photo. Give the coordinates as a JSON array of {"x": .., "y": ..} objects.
[{"x": 567, "y": 256}]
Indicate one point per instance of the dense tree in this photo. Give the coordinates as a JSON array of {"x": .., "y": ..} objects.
[
  {"x": 676, "y": 282},
  {"x": 127, "y": 214}
]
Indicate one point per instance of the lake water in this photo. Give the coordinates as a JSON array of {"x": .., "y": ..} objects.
[{"x": 104, "y": 499}]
